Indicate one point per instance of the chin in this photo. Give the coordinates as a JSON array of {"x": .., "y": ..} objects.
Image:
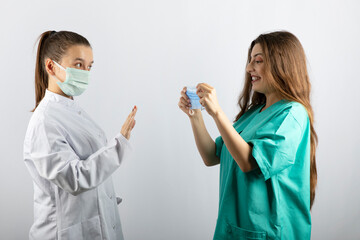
[{"x": 257, "y": 90}]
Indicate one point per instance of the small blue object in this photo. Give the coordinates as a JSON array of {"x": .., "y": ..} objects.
[{"x": 194, "y": 98}]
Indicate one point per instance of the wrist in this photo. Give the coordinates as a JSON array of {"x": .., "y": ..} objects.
[
  {"x": 196, "y": 116},
  {"x": 217, "y": 114}
]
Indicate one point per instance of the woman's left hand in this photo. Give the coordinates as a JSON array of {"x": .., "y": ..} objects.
[{"x": 208, "y": 99}]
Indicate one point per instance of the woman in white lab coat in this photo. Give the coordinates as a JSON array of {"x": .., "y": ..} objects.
[{"x": 66, "y": 152}]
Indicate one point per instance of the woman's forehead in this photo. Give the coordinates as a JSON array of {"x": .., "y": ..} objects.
[
  {"x": 256, "y": 50},
  {"x": 79, "y": 52}
]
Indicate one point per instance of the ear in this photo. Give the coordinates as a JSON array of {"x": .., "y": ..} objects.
[{"x": 49, "y": 66}]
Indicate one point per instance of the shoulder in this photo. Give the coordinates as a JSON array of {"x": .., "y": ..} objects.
[
  {"x": 42, "y": 120},
  {"x": 291, "y": 113},
  {"x": 297, "y": 111}
]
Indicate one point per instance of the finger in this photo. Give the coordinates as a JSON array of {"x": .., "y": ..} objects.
[
  {"x": 128, "y": 120},
  {"x": 132, "y": 114},
  {"x": 203, "y": 95},
  {"x": 134, "y": 110},
  {"x": 186, "y": 98},
  {"x": 126, "y": 125},
  {"x": 182, "y": 106},
  {"x": 184, "y": 102},
  {"x": 199, "y": 85},
  {"x": 200, "y": 88},
  {"x": 130, "y": 117},
  {"x": 133, "y": 125},
  {"x": 202, "y": 102},
  {"x": 205, "y": 87},
  {"x": 184, "y": 109},
  {"x": 183, "y": 94},
  {"x": 200, "y": 94}
]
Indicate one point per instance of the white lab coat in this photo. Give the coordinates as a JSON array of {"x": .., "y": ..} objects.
[{"x": 71, "y": 163}]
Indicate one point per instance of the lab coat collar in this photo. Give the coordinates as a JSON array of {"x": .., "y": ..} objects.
[{"x": 58, "y": 98}]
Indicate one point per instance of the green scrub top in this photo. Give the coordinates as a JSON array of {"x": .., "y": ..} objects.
[{"x": 273, "y": 200}]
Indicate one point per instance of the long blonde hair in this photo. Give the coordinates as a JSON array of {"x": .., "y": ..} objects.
[{"x": 286, "y": 72}]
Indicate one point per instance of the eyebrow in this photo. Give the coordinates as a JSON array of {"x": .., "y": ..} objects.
[
  {"x": 257, "y": 54},
  {"x": 80, "y": 59}
]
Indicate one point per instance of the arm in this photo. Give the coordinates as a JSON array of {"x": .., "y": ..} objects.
[
  {"x": 53, "y": 159},
  {"x": 240, "y": 150},
  {"x": 205, "y": 144}
]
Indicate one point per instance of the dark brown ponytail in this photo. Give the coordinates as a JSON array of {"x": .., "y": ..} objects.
[
  {"x": 41, "y": 77},
  {"x": 52, "y": 45}
]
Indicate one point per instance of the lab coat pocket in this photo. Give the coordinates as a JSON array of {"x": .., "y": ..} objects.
[
  {"x": 234, "y": 232},
  {"x": 88, "y": 229}
]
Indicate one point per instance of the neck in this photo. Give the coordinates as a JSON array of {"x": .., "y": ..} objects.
[
  {"x": 271, "y": 98},
  {"x": 53, "y": 87}
]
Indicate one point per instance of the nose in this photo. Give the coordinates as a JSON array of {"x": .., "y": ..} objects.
[
  {"x": 86, "y": 68},
  {"x": 249, "y": 67}
]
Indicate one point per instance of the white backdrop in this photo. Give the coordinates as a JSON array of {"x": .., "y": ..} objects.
[{"x": 145, "y": 51}]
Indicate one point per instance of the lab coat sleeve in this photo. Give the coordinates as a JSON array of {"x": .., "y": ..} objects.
[
  {"x": 56, "y": 161},
  {"x": 219, "y": 142},
  {"x": 275, "y": 144}
]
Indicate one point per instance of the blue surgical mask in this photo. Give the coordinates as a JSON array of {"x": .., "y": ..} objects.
[
  {"x": 76, "y": 81},
  {"x": 194, "y": 99}
]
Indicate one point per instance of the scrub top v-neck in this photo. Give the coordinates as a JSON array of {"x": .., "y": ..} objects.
[{"x": 273, "y": 200}]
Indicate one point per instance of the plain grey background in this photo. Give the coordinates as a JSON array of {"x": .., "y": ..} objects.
[{"x": 145, "y": 51}]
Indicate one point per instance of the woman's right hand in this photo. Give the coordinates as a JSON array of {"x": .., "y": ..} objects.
[
  {"x": 184, "y": 104},
  {"x": 129, "y": 124}
]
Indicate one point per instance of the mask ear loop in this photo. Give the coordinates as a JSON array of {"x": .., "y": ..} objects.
[{"x": 59, "y": 65}]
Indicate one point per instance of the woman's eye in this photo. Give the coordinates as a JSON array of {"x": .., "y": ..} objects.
[
  {"x": 78, "y": 65},
  {"x": 258, "y": 62},
  {"x": 89, "y": 67}
]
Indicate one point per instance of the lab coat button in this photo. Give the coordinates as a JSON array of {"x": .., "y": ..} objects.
[
  {"x": 111, "y": 197},
  {"x": 113, "y": 226},
  {"x": 79, "y": 112}
]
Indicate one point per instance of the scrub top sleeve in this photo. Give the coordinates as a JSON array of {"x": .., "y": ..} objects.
[
  {"x": 55, "y": 160},
  {"x": 276, "y": 143},
  {"x": 219, "y": 142}
]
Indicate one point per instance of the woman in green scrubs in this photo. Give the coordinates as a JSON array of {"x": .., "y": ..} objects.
[{"x": 267, "y": 157}]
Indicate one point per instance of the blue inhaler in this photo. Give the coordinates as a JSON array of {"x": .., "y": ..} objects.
[{"x": 194, "y": 99}]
